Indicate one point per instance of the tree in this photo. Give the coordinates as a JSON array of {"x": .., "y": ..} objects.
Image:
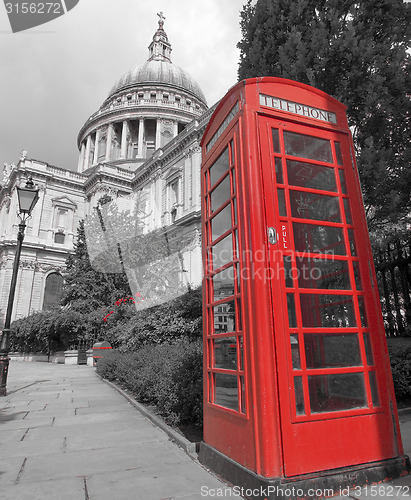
[
  {"x": 355, "y": 51},
  {"x": 86, "y": 289}
]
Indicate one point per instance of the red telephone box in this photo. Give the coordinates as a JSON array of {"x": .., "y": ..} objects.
[{"x": 297, "y": 383}]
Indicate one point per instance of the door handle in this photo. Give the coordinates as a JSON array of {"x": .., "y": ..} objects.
[{"x": 272, "y": 235}]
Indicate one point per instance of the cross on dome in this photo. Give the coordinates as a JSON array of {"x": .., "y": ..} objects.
[
  {"x": 160, "y": 47},
  {"x": 161, "y": 21}
]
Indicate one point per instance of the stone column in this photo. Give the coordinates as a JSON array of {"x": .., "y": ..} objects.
[
  {"x": 158, "y": 133},
  {"x": 124, "y": 133},
  {"x": 87, "y": 158},
  {"x": 196, "y": 177},
  {"x": 96, "y": 141},
  {"x": 140, "y": 138},
  {"x": 80, "y": 166},
  {"x": 175, "y": 129},
  {"x": 109, "y": 140}
]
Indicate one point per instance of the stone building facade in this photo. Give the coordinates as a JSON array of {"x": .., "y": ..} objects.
[{"x": 142, "y": 147}]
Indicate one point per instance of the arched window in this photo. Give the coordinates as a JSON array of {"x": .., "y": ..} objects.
[{"x": 52, "y": 291}]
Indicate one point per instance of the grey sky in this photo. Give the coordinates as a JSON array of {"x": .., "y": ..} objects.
[{"x": 54, "y": 76}]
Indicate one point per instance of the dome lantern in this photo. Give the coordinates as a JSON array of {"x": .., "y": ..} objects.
[{"x": 160, "y": 47}]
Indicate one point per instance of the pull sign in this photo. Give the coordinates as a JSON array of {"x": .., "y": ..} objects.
[{"x": 272, "y": 235}]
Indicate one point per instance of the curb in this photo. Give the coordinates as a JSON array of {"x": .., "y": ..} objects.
[
  {"x": 404, "y": 411},
  {"x": 189, "y": 447}
]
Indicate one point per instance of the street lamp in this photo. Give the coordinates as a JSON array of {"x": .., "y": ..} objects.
[{"x": 27, "y": 197}]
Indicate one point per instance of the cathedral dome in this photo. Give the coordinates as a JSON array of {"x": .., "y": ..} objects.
[
  {"x": 158, "y": 71},
  {"x": 148, "y": 106}
]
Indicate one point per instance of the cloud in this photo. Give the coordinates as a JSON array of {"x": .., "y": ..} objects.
[{"x": 56, "y": 75}]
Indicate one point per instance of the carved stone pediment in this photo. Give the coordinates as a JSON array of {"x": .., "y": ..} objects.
[{"x": 65, "y": 202}]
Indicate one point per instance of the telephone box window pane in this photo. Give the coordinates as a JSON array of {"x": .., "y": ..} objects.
[
  {"x": 363, "y": 313},
  {"x": 368, "y": 349},
  {"x": 323, "y": 273},
  {"x": 315, "y": 206},
  {"x": 353, "y": 246},
  {"x": 292, "y": 319},
  {"x": 223, "y": 252},
  {"x": 327, "y": 350},
  {"x": 288, "y": 271},
  {"x": 318, "y": 239},
  {"x": 357, "y": 275},
  {"x": 220, "y": 194},
  {"x": 295, "y": 352},
  {"x": 374, "y": 390},
  {"x": 233, "y": 176},
  {"x": 276, "y": 140},
  {"x": 239, "y": 321},
  {"x": 311, "y": 176},
  {"x": 338, "y": 153},
  {"x": 238, "y": 279},
  {"x": 225, "y": 353},
  {"x": 342, "y": 181},
  {"x": 226, "y": 391},
  {"x": 307, "y": 146},
  {"x": 232, "y": 152},
  {"x": 211, "y": 383},
  {"x": 240, "y": 344},
  {"x": 209, "y": 353},
  {"x": 299, "y": 395},
  {"x": 243, "y": 402},
  {"x": 347, "y": 211},
  {"x": 223, "y": 284},
  {"x": 281, "y": 203},
  {"x": 322, "y": 311},
  {"x": 219, "y": 167},
  {"x": 336, "y": 392},
  {"x": 221, "y": 223},
  {"x": 235, "y": 211},
  {"x": 224, "y": 317},
  {"x": 278, "y": 171},
  {"x": 236, "y": 243}
]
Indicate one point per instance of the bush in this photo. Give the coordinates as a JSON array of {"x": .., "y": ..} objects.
[
  {"x": 400, "y": 358},
  {"x": 181, "y": 317},
  {"x": 54, "y": 330},
  {"x": 168, "y": 376}
]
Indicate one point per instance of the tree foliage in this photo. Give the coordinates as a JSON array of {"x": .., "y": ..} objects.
[
  {"x": 355, "y": 51},
  {"x": 86, "y": 289}
]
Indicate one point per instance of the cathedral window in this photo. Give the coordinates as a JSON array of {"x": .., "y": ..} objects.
[
  {"x": 59, "y": 238},
  {"x": 61, "y": 218},
  {"x": 52, "y": 291}
]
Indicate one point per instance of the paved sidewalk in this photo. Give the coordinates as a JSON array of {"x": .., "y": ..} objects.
[{"x": 67, "y": 435}]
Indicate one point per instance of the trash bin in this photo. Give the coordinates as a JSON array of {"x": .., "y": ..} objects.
[{"x": 99, "y": 350}]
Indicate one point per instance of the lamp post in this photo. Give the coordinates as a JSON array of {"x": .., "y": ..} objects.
[{"x": 27, "y": 197}]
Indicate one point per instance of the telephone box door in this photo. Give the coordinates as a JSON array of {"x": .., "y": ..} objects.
[{"x": 333, "y": 398}]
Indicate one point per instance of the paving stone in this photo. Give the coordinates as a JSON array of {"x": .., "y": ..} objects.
[{"x": 61, "y": 489}]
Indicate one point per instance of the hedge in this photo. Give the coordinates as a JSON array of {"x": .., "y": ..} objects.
[{"x": 168, "y": 376}]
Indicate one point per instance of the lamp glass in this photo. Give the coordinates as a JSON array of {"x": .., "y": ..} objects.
[{"x": 27, "y": 199}]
